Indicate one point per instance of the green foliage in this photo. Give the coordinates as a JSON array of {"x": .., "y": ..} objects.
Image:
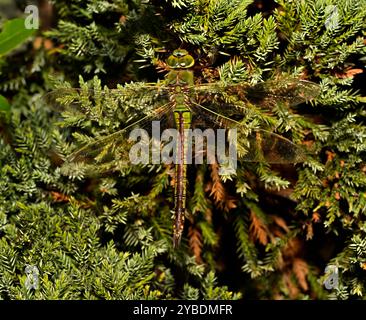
[
  {"x": 43, "y": 225},
  {"x": 4, "y": 104},
  {"x": 13, "y": 34},
  {"x": 209, "y": 291},
  {"x": 269, "y": 230}
]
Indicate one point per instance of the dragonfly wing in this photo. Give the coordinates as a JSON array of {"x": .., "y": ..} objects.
[
  {"x": 94, "y": 103},
  {"x": 239, "y": 97},
  {"x": 231, "y": 106},
  {"x": 252, "y": 145},
  {"x": 287, "y": 91},
  {"x": 265, "y": 146},
  {"x": 129, "y": 106},
  {"x": 113, "y": 152}
]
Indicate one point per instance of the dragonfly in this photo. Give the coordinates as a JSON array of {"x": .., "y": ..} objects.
[{"x": 179, "y": 102}]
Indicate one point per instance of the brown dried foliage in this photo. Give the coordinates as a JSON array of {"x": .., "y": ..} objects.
[
  {"x": 221, "y": 199},
  {"x": 301, "y": 270},
  {"x": 195, "y": 242},
  {"x": 258, "y": 230},
  {"x": 59, "y": 197},
  {"x": 293, "y": 267}
]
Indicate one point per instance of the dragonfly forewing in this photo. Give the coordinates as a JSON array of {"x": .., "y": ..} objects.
[
  {"x": 135, "y": 96},
  {"x": 264, "y": 95}
]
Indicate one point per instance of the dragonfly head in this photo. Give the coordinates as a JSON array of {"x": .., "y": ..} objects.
[{"x": 180, "y": 59}]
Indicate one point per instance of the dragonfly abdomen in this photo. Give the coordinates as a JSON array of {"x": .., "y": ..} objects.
[{"x": 182, "y": 116}]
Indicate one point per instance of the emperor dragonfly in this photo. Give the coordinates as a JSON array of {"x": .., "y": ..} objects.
[{"x": 181, "y": 103}]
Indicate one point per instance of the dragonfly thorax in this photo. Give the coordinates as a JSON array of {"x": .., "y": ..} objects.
[{"x": 179, "y": 78}]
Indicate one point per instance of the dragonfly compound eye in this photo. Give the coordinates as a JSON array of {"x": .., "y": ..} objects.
[
  {"x": 183, "y": 62},
  {"x": 172, "y": 62},
  {"x": 186, "y": 62}
]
